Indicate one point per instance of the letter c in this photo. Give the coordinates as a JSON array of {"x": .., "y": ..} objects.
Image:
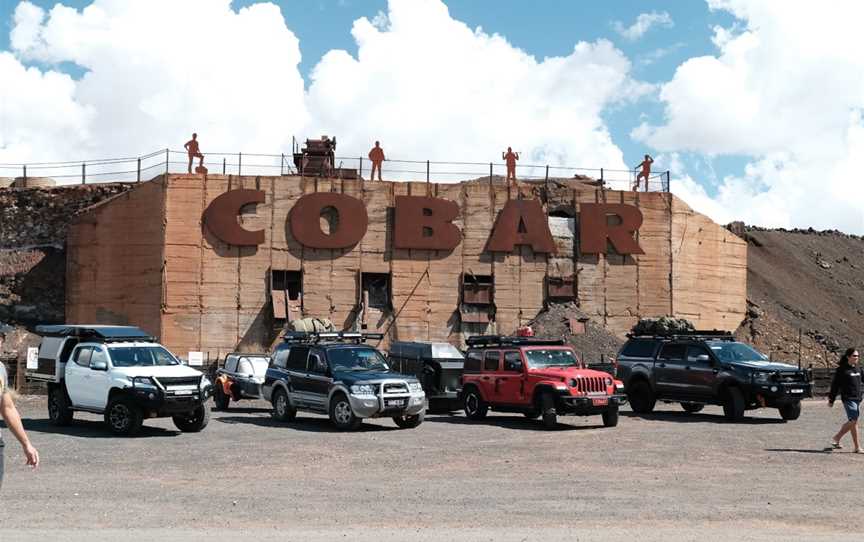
[{"x": 221, "y": 217}]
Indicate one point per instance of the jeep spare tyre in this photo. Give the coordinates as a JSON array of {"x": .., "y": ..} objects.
[{"x": 194, "y": 421}]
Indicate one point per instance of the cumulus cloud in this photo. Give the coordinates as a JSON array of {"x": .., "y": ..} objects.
[
  {"x": 786, "y": 89},
  {"x": 643, "y": 23},
  {"x": 153, "y": 72},
  {"x": 430, "y": 87}
]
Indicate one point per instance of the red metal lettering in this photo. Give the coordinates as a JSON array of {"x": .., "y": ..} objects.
[
  {"x": 426, "y": 223},
  {"x": 521, "y": 222},
  {"x": 305, "y": 216},
  {"x": 594, "y": 229},
  {"x": 220, "y": 217}
]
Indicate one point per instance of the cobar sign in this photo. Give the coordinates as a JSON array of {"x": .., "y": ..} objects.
[{"x": 426, "y": 223}]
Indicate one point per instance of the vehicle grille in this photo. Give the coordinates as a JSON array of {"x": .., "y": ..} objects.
[
  {"x": 396, "y": 388},
  {"x": 591, "y": 384},
  {"x": 796, "y": 378},
  {"x": 178, "y": 381}
]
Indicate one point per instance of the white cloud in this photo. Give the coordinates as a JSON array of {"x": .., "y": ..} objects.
[
  {"x": 426, "y": 85},
  {"x": 786, "y": 88},
  {"x": 430, "y": 87},
  {"x": 643, "y": 24},
  {"x": 155, "y": 71}
]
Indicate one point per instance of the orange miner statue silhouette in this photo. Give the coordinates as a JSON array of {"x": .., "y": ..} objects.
[
  {"x": 510, "y": 158},
  {"x": 376, "y": 155},
  {"x": 191, "y": 147},
  {"x": 645, "y": 173}
]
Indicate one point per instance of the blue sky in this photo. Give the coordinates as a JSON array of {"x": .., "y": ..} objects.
[{"x": 551, "y": 28}]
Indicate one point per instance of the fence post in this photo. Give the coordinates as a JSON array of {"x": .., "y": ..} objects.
[
  {"x": 139, "y": 170},
  {"x": 166, "y": 161},
  {"x": 83, "y": 173},
  {"x": 427, "y": 171},
  {"x": 490, "y": 173},
  {"x": 360, "y": 173},
  {"x": 25, "y": 174},
  {"x": 223, "y": 165},
  {"x": 602, "y": 182},
  {"x": 282, "y": 165},
  {"x": 239, "y": 163}
]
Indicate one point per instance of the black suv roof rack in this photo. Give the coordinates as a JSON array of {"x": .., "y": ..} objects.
[
  {"x": 96, "y": 333},
  {"x": 480, "y": 341},
  {"x": 713, "y": 334},
  {"x": 313, "y": 337}
]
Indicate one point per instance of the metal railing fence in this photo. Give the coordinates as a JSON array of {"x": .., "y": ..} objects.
[{"x": 145, "y": 167}]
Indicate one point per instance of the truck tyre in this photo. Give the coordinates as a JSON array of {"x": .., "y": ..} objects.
[
  {"x": 282, "y": 409},
  {"x": 409, "y": 422},
  {"x": 610, "y": 416},
  {"x": 791, "y": 411},
  {"x": 547, "y": 410},
  {"x": 641, "y": 397},
  {"x": 193, "y": 422},
  {"x": 58, "y": 407},
  {"x": 692, "y": 408},
  {"x": 733, "y": 404},
  {"x": 475, "y": 407},
  {"x": 342, "y": 415},
  {"x": 123, "y": 417},
  {"x": 220, "y": 399}
]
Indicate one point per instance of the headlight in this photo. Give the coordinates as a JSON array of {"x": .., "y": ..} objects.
[
  {"x": 762, "y": 378},
  {"x": 205, "y": 382},
  {"x": 363, "y": 389},
  {"x": 415, "y": 387},
  {"x": 144, "y": 383},
  {"x": 608, "y": 381}
]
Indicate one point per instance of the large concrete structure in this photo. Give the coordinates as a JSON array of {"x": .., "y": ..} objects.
[{"x": 146, "y": 258}]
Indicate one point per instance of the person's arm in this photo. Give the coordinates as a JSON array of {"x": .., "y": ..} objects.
[
  {"x": 13, "y": 422},
  {"x": 186, "y": 145},
  {"x": 835, "y": 387}
]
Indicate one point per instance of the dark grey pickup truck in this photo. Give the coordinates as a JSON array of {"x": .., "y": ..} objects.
[{"x": 708, "y": 368}]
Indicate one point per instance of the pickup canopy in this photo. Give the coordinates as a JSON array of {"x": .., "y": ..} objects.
[{"x": 96, "y": 333}]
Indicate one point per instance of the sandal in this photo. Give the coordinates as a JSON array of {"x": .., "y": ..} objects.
[
  {"x": 836, "y": 445},
  {"x": 859, "y": 451}
]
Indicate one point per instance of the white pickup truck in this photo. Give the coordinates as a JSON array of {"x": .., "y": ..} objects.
[{"x": 120, "y": 372}]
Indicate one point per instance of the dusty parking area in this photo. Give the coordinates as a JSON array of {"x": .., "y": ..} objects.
[{"x": 670, "y": 476}]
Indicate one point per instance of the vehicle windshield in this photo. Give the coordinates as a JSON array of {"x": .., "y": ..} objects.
[
  {"x": 141, "y": 356},
  {"x": 732, "y": 351},
  {"x": 537, "y": 359},
  {"x": 356, "y": 359}
]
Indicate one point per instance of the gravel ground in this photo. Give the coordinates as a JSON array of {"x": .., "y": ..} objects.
[{"x": 670, "y": 476}]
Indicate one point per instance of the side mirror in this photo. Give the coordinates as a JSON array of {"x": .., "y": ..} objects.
[{"x": 99, "y": 365}]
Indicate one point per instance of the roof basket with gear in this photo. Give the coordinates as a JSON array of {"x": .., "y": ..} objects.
[
  {"x": 482, "y": 341},
  {"x": 96, "y": 333},
  {"x": 329, "y": 336},
  {"x": 714, "y": 335}
]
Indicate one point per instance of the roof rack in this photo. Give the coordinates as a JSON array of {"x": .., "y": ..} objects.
[
  {"x": 313, "y": 337},
  {"x": 713, "y": 334},
  {"x": 479, "y": 341},
  {"x": 96, "y": 333}
]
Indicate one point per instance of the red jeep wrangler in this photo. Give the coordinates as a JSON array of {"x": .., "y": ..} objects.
[{"x": 537, "y": 377}]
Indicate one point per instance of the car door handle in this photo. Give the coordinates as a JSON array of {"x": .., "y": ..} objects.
[{"x": 661, "y": 365}]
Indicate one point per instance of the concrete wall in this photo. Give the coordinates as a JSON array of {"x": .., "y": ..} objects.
[
  {"x": 214, "y": 297},
  {"x": 114, "y": 260}
]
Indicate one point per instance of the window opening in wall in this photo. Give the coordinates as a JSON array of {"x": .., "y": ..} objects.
[
  {"x": 375, "y": 290},
  {"x": 286, "y": 294},
  {"x": 478, "y": 303}
]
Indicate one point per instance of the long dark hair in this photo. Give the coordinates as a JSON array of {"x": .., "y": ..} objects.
[{"x": 844, "y": 360}]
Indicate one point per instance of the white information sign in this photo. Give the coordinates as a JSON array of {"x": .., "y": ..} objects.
[
  {"x": 32, "y": 358},
  {"x": 196, "y": 359}
]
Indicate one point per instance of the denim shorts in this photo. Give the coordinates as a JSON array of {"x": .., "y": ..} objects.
[{"x": 852, "y": 409}]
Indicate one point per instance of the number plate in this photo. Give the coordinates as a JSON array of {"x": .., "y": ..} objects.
[
  {"x": 394, "y": 403},
  {"x": 181, "y": 392},
  {"x": 600, "y": 402},
  {"x": 796, "y": 390}
]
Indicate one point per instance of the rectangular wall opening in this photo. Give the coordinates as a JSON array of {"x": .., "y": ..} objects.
[
  {"x": 375, "y": 291},
  {"x": 286, "y": 294}
]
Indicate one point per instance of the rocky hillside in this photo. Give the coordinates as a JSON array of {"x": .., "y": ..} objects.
[{"x": 807, "y": 281}]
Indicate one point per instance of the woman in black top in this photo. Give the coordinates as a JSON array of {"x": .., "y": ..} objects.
[{"x": 847, "y": 382}]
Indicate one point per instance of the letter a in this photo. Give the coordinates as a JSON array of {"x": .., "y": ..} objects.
[{"x": 521, "y": 222}]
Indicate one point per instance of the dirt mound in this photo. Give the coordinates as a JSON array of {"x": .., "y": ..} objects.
[
  {"x": 594, "y": 345},
  {"x": 804, "y": 281}
]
